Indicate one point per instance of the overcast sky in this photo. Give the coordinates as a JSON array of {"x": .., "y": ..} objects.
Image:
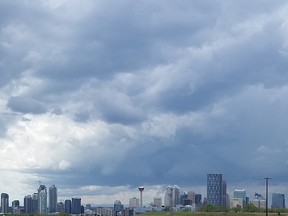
[{"x": 99, "y": 97}]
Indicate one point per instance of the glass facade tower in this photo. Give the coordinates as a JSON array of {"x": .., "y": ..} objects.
[
  {"x": 278, "y": 200},
  {"x": 241, "y": 194},
  {"x": 214, "y": 189},
  {"x": 52, "y": 199},
  {"x": 42, "y": 200},
  {"x": 28, "y": 204},
  {"x": 172, "y": 196},
  {"x": 76, "y": 206},
  {"x": 67, "y": 206},
  {"x": 4, "y": 203}
]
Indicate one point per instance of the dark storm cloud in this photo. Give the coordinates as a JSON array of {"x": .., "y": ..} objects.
[
  {"x": 145, "y": 92},
  {"x": 17, "y": 37},
  {"x": 228, "y": 70},
  {"x": 103, "y": 44}
]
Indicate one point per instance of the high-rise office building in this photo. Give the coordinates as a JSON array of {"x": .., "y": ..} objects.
[
  {"x": 157, "y": 201},
  {"x": 35, "y": 203},
  {"x": 184, "y": 199},
  {"x": 241, "y": 194},
  {"x": 214, "y": 189},
  {"x": 225, "y": 196},
  {"x": 15, "y": 206},
  {"x": 104, "y": 211},
  {"x": 134, "y": 203},
  {"x": 198, "y": 199},
  {"x": 52, "y": 199},
  {"x": 68, "y": 206},
  {"x": 42, "y": 199},
  {"x": 28, "y": 204},
  {"x": 88, "y": 206},
  {"x": 76, "y": 206},
  {"x": 258, "y": 201},
  {"x": 4, "y": 203},
  {"x": 118, "y": 208},
  {"x": 60, "y": 207},
  {"x": 191, "y": 196},
  {"x": 278, "y": 200},
  {"x": 172, "y": 196}
]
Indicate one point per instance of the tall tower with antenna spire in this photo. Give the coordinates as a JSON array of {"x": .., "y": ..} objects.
[{"x": 141, "y": 189}]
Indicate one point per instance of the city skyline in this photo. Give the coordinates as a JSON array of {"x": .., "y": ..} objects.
[
  {"x": 102, "y": 97},
  {"x": 175, "y": 198},
  {"x": 231, "y": 191}
]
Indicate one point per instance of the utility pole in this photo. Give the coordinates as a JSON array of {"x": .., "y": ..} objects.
[{"x": 266, "y": 179}]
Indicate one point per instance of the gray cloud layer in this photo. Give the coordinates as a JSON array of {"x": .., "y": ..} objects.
[{"x": 125, "y": 93}]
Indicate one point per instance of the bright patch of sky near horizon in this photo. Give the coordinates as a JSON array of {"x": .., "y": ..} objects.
[{"x": 99, "y": 97}]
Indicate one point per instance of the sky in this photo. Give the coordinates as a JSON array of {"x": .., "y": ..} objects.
[{"x": 100, "y": 97}]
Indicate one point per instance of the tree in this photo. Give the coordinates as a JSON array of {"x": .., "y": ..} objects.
[
  {"x": 238, "y": 208},
  {"x": 250, "y": 208}
]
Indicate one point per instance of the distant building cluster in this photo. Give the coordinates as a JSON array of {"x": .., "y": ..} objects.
[
  {"x": 217, "y": 195},
  {"x": 41, "y": 202},
  {"x": 175, "y": 199},
  {"x": 178, "y": 200}
]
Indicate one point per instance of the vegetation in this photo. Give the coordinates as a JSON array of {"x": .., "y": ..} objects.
[
  {"x": 210, "y": 210},
  {"x": 230, "y": 213}
]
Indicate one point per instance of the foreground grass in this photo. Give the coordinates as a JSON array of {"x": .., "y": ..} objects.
[{"x": 210, "y": 214}]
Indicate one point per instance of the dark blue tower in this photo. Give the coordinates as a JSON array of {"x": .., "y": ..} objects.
[{"x": 214, "y": 189}]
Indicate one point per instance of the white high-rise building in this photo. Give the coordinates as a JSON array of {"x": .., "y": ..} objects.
[
  {"x": 258, "y": 201},
  {"x": 42, "y": 200},
  {"x": 241, "y": 194},
  {"x": 191, "y": 196},
  {"x": 172, "y": 196},
  {"x": 157, "y": 201},
  {"x": 134, "y": 202}
]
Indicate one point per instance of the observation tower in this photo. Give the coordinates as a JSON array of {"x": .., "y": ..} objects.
[{"x": 141, "y": 189}]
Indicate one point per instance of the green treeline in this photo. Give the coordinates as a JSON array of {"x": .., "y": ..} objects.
[
  {"x": 246, "y": 208},
  {"x": 218, "y": 213},
  {"x": 210, "y": 210}
]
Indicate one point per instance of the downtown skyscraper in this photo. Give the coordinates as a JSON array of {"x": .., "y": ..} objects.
[
  {"x": 278, "y": 200},
  {"x": 52, "y": 199},
  {"x": 67, "y": 206},
  {"x": 42, "y": 199},
  {"x": 76, "y": 206},
  {"x": 172, "y": 196},
  {"x": 214, "y": 189},
  {"x": 28, "y": 204},
  {"x": 240, "y": 194},
  {"x": 4, "y": 203}
]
